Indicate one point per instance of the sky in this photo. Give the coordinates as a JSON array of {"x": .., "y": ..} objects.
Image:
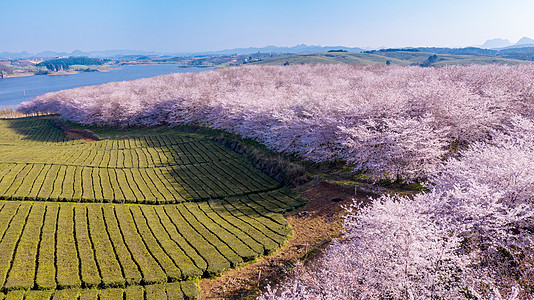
[{"x": 199, "y": 25}]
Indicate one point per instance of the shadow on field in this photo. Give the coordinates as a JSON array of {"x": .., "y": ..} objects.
[
  {"x": 135, "y": 165},
  {"x": 38, "y": 129}
]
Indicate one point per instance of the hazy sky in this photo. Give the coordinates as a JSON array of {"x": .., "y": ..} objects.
[{"x": 196, "y": 25}]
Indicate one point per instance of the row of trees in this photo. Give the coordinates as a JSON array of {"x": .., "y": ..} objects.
[
  {"x": 5, "y": 70},
  {"x": 391, "y": 122}
]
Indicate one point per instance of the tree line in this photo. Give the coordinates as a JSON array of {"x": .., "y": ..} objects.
[{"x": 64, "y": 63}]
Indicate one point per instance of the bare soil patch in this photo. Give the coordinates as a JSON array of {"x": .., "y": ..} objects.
[
  {"x": 85, "y": 134},
  {"x": 74, "y": 133},
  {"x": 314, "y": 227}
]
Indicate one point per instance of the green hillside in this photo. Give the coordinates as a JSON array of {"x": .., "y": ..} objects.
[{"x": 381, "y": 57}]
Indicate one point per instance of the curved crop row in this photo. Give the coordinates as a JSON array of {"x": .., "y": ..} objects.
[
  {"x": 172, "y": 290},
  {"x": 91, "y": 245},
  {"x": 166, "y": 168},
  {"x": 33, "y": 131}
]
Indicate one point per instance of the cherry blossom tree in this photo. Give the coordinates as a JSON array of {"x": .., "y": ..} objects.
[
  {"x": 390, "y": 121},
  {"x": 466, "y": 131},
  {"x": 470, "y": 236}
]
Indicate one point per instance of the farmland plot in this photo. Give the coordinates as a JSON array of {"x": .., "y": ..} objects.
[
  {"x": 37, "y": 162},
  {"x": 74, "y": 219}
]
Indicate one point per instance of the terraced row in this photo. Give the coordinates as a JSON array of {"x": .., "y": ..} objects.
[
  {"x": 168, "y": 167},
  {"x": 41, "y": 130},
  {"x": 46, "y": 246},
  {"x": 57, "y": 182},
  {"x": 173, "y": 148},
  {"x": 174, "y": 290}
]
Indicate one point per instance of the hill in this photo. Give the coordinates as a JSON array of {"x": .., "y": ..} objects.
[
  {"x": 525, "y": 41},
  {"x": 398, "y": 57},
  {"x": 500, "y": 44},
  {"x": 496, "y": 43}
]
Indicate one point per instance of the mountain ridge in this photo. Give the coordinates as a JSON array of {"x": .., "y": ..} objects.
[
  {"x": 498, "y": 43},
  {"x": 491, "y": 45},
  {"x": 298, "y": 49}
]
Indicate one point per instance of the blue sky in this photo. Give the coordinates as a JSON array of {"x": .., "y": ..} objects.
[{"x": 182, "y": 26}]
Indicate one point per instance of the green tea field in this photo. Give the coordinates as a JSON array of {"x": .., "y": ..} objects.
[{"x": 140, "y": 216}]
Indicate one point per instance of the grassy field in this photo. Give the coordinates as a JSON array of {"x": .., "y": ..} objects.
[
  {"x": 394, "y": 57},
  {"x": 140, "y": 215}
]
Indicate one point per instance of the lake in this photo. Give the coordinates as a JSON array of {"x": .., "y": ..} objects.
[{"x": 13, "y": 91}]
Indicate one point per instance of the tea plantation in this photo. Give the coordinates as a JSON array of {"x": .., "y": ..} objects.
[{"x": 138, "y": 216}]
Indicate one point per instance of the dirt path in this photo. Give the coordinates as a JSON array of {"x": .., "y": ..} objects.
[{"x": 314, "y": 226}]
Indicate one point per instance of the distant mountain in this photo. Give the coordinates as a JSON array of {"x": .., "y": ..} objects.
[
  {"x": 502, "y": 44},
  {"x": 499, "y": 44},
  {"x": 298, "y": 49},
  {"x": 525, "y": 41},
  {"x": 14, "y": 55},
  {"x": 50, "y": 54},
  {"x": 496, "y": 43},
  {"x": 493, "y": 47},
  {"x": 105, "y": 53},
  {"x": 54, "y": 54},
  {"x": 118, "y": 53}
]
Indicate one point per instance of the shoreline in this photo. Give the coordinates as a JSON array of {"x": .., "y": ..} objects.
[
  {"x": 16, "y": 91},
  {"x": 17, "y": 75},
  {"x": 54, "y": 73}
]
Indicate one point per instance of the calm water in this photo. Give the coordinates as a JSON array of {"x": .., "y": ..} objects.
[{"x": 12, "y": 90}]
